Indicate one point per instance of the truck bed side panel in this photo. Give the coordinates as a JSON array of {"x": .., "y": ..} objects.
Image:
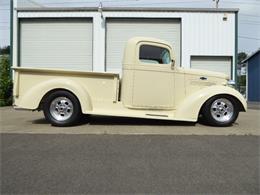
[{"x": 32, "y": 84}]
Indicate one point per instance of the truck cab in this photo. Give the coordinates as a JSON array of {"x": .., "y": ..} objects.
[{"x": 148, "y": 75}]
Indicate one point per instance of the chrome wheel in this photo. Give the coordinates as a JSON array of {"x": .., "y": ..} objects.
[
  {"x": 61, "y": 108},
  {"x": 222, "y": 110}
]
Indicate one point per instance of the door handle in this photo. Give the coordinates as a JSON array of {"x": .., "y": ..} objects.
[
  {"x": 203, "y": 78},
  {"x": 172, "y": 64}
]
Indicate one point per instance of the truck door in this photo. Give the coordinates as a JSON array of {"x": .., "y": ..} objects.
[{"x": 153, "y": 80}]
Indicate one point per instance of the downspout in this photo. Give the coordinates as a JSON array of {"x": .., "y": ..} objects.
[
  {"x": 11, "y": 37},
  {"x": 236, "y": 49}
]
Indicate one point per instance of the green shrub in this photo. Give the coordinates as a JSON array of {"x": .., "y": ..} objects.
[
  {"x": 242, "y": 80},
  {"x": 6, "y": 83}
]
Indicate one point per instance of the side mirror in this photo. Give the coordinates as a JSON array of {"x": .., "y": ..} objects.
[{"x": 172, "y": 63}]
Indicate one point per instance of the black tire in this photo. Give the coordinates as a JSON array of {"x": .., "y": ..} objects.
[
  {"x": 208, "y": 116},
  {"x": 73, "y": 108}
]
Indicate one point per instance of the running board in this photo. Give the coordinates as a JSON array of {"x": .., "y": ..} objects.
[{"x": 159, "y": 115}]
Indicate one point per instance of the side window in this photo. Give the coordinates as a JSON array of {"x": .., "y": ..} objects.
[{"x": 154, "y": 55}]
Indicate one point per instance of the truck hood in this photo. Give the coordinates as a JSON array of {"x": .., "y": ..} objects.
[
  {"x": 205, "y": 73},
  {"x": 203, "y": 78}
]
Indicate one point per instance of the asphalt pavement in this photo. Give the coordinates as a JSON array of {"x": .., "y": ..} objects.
[
  {"x": 129, "y": 164},
  {"x": 112, "y": 155}
]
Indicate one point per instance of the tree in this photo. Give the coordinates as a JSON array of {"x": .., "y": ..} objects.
[
  {"x": 241, "y": 57},
  {"x": 5, "y": 50},
  {"x": 241, "y": 80}
]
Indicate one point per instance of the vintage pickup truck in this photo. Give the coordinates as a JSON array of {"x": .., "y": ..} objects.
[{"x": 151, "y": 87}]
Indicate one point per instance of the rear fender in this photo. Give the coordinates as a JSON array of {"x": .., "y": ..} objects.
[{"x": 33, "y": 96}]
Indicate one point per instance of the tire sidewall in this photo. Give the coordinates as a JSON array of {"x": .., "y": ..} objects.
[
  {"x": 76, "y": 109},
  {"x": 208, "y": 116}
]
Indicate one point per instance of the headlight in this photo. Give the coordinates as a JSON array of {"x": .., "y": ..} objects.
[{"x": 231, "y": 83}]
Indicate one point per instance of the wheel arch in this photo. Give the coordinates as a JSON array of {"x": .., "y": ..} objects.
[
  {"x": 191, "y": 106},
  {"x": 40, "y": 107},
  {"x": 239, "y": 104}
]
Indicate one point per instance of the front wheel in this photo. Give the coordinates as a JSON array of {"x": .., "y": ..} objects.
[
  {"x": 220, "y": 111},
  {"x": 62, "y": 108}
]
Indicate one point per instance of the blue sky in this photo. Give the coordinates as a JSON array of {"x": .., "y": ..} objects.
[{"x": 248, "y": 25}]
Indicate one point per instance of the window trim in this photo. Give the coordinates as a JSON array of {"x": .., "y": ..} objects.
[
  {"x": 152, "y": 67},
  {"x": 154, "y": 44}
]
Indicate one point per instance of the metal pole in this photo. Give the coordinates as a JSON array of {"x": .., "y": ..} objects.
[
  {"x": 11, "y": 37},
  {"x": 217, "y": 2}
]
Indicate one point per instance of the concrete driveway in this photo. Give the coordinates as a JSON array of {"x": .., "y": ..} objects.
[{"x": 13, "y": 121}]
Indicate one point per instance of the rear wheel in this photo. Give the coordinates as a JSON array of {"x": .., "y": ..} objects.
[
  {"x": 220, "y": 111},
  {"x": 61, "y": 108}
]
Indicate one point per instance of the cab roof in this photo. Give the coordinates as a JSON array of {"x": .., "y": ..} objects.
[{"x": 130, "y": 48}]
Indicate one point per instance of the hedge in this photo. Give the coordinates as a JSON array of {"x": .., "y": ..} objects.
[{"x": 6, "y": 83}]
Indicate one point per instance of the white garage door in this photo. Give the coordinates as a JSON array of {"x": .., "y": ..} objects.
[
  {"x": 212, "y": 63},
  {"x": 56, "y": 43},
  {"x": 120, "y": 30}
]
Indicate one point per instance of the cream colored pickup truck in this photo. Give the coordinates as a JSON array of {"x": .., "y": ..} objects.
[{"x": 151, "y": 87}]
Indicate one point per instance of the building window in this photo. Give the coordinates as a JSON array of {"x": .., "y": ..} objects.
[{"x": 154, "y": 55}]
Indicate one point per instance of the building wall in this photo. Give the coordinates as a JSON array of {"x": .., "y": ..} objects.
[
  {"x": 206, "y": 34},
  {"x": 254, "y": 78},
  {"x": 202, "y": 33}
]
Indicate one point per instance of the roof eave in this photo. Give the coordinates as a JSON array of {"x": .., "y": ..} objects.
[
  {"x": 250, "y": 56},
  {"x": 146, "y": 9}
]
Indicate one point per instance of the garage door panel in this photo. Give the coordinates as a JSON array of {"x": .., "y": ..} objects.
[
  {"x": 56, "y": 44},
  {"x": 120, "y": 30},
  {"x": 213, "y": 63}
]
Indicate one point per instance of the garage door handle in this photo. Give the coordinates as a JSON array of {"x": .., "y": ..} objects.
[{"x": 203, "y": 78}]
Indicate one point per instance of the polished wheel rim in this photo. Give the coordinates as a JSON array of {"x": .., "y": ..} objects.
[
  {"x": 61, "y": 108},
  {"x": 222, "y": 110}
]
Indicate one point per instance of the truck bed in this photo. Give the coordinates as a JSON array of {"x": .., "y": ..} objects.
[{"x": 87, "y": 86}]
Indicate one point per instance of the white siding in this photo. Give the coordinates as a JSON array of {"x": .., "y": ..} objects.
[
  {"x": 212, "y": 63},
  {"x": 120, "y": 30},
  {"x": 203, "y": 33},
  {"x": 207, "y": 34},
  {"x": 56, "y": 44}
]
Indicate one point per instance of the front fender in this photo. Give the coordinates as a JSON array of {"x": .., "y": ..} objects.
[
  {"x": 33, "y": 96},
  {"x": 189, "y": 108}
]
